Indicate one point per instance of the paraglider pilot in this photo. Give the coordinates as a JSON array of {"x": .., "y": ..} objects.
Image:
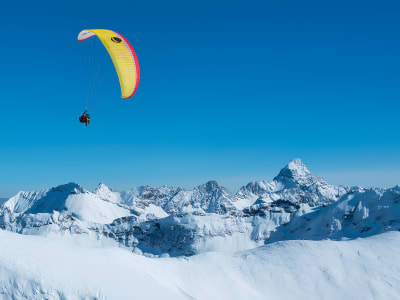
[{"x": 85, "y": 118}]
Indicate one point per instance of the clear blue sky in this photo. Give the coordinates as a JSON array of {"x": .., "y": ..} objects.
[{"x": 229, "y": 90}]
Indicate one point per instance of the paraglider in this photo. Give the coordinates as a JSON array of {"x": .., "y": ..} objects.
[
  {"x": 123, "y": 57},
  {"x": 85, "y": 118}
]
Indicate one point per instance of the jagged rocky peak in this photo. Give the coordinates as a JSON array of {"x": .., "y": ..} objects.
[
  {"x": 209, "y": 197},
  {"x": 296, "y": 173},
  {"x": 211, "y": 186},
  {"x": 255, "y": 188},
  {"x": 151, "y": 192},
  {"x": 152, "y": 195},
  {"x": 102, "y": 187},
  {"x": 213, "y": 198},
  {"x": 295, "y": 169},
  {"x": 213, "y": 189},
  {"x": 106, "y": 193}
]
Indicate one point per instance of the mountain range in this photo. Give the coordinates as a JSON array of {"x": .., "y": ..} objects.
[{"x": 169, "y": 221}]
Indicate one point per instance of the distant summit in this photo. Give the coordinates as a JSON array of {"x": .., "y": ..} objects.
[
  {"x": 102, "y": 188},
  {"x": 296, "y": 172}
]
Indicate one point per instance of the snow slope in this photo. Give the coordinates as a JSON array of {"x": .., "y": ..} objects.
[{"x": 35, "y": 267}]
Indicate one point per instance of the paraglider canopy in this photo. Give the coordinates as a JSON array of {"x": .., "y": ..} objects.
[{"x": 123, "y": 56}]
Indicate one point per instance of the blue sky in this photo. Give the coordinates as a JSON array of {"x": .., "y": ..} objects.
[{"x": 229, "y": 90}]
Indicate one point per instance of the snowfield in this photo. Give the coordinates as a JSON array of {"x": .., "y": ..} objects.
[{"x": 33, "y": 267}]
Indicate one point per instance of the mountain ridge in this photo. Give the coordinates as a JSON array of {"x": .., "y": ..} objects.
[{"x": 176, "y": 221}]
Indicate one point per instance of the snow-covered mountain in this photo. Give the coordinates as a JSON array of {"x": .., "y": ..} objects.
[
  {"x": 359, "y": 213},
  {"x": 69, "y": 198},
  {"x": 173, "y": 221},
  {"x": 295, "y": 237},
  {"x": 295, "y": 184}
]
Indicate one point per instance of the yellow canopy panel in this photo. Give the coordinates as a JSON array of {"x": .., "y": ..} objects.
[{"x": 123, "y": 56}]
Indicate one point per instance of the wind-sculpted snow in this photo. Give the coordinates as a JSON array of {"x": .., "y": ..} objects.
[
  {"x": 173, "y": 221},
  {"x": 33, "y": 267}
]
